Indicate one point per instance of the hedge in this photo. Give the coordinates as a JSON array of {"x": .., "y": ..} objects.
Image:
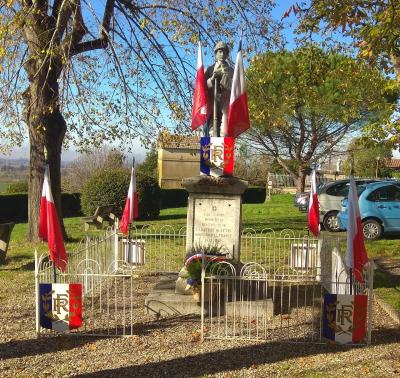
[
  {"x": 178, "y": 197},
  {"x": 14, "y": 207},
  {"x": 174, "y": 198},
  {"x": 254, "y": 195}
]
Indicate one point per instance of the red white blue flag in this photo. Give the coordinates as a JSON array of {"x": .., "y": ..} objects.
[
  {"x": 238, "y": 115},
  {"x": 356, "y": 255},
  {"x": 131, "y": 210},
  {"x": 216, "y": 156},
  {"x": 49, "y": 225},
  {"x": 199, "y": 112},
  {"x": 344, "y": 318},
  {"x": 313, "y": 206},
  {"x": 60, "y": 306}
]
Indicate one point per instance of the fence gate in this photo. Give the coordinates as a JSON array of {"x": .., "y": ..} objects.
[{"x": 295, "y": 307}]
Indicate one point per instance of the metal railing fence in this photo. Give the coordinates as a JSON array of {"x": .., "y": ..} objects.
[{"x": 251, "y": 304}]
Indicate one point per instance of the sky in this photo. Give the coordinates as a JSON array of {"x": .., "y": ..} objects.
[{"x": 281, "y": 7}]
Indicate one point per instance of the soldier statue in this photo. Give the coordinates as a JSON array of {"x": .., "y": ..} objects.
[{"x": 219, "y": 82}]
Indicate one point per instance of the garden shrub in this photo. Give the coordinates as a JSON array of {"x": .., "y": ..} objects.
[
  {"x": 105, "y": 188},
  {"x": 111, "y": 187}
]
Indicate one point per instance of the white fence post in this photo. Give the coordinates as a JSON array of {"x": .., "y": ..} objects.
[{"x": 116, "y": 250}]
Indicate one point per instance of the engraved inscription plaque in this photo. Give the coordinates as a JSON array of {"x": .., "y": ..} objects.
[{"x": 216, "y": 221}]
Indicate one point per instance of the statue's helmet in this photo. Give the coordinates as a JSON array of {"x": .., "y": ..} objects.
[{"x": 221, "y": 46}]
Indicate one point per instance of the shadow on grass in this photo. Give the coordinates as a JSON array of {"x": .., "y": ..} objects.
[
  {"x": 166, "y": 217},
  {"x": 51, "y": 344},
  {"x": 70, "y": 239},
  {"x": 391, "y": 236},
  {"x": 16, "y": 260},
  {"x": 233, "y": 358}
]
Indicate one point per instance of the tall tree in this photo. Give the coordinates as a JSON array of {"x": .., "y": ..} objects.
[
  {"x": 373, "y": 27},
  {"x": 303, "y": 103},
  {"x": 367, "y": 157},
  {"x": 83, "y": 72}
]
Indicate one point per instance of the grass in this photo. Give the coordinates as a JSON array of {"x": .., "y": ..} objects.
[
  {"x": 387, "y": 289},
  {"x": 279, "y": 213},
  {"x": 3, "y": 186}
]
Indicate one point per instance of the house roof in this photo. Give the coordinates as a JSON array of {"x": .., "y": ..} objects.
[{"x": 392, "y": 163}]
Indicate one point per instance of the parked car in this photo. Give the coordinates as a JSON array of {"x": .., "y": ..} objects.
[
  {"x": 301, "y": 199},
  {"x": 379, "y": 209},
  {"x": 330, "y": 196}
]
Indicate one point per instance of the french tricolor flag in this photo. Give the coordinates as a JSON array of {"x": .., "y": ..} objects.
[
  {"x": 199, "y": 112},
  {"x": 131, "y": 210},
  {"x": 49, "y": 225},
  {"x": 344, "y": 318},
  {"x": 60, "y": 306},
  {"x": 238, "y": 115},
  {"x": 356, "y": 255},
  {"x": 313, "y": 206},
  {"x": 216, "y": 156}
]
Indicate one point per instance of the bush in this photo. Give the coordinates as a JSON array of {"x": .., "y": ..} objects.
[
  {"x": 105, "y": 188},
  {"x": 18, "y": 187},
  {"x": 111, "y": 187}
]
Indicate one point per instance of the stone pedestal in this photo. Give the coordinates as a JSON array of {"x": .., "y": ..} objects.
[{"x": 214, "y": 213}]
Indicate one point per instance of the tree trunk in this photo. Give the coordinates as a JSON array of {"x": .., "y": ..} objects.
[
  {"x": 301, "y": 180},
  {"x": 47, "y": 128}
]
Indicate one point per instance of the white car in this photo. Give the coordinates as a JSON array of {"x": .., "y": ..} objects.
[{"x": 330, "y": 198}]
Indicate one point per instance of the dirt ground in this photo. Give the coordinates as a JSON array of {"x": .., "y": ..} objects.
[{"x": 172, "y": 348}]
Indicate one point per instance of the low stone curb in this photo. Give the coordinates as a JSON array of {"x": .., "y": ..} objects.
[{"x": 393, "y": 313}]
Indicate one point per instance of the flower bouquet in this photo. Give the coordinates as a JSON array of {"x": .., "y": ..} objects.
[{"x": 190, "y": 274}]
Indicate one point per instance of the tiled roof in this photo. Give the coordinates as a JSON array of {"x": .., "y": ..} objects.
[{"x": 392, "y": 163}]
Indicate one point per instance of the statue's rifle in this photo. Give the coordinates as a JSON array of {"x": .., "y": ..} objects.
[{"x": 215, "y": 120}]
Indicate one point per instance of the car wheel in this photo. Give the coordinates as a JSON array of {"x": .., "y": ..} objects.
[
  {"x": 331, "y": 222},
  {"x": 372, "y": 229}
]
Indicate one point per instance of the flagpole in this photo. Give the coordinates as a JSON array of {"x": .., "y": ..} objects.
[
  {"x": 129, "y": 228},
  {"x": 46, "y": 162},
  {"x": 351, "y": 269},
  {"x": 132, "y": 204},
  {"x": 206, "y": 127}
]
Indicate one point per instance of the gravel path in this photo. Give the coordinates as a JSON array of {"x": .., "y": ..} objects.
[{"x": 172, "y": 348}]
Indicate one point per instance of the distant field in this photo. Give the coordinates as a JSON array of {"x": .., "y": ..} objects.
[{"x": 3, "y": 186}]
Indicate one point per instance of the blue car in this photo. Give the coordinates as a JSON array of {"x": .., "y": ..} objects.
[{"x": 379, "y": 209}]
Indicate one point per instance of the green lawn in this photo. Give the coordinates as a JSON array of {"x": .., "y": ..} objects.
[
  {"x": 279, "y": 213},
  {"x": 387, "y": 289},
  {"x": 3, "y": 186}
]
